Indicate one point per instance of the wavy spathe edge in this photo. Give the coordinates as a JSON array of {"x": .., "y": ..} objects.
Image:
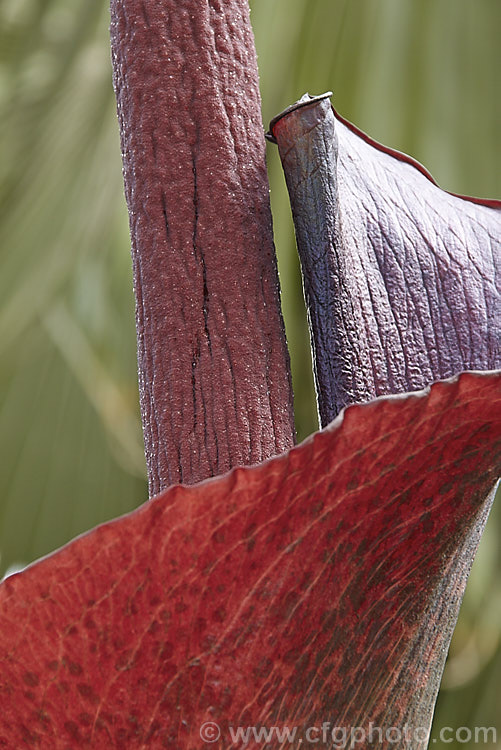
[{"x": 232, "y": 476}]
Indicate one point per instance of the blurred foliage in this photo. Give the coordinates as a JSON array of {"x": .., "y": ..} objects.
[
  {"x": 419, "y": 75},
  {"x": 70, "y": 437}
]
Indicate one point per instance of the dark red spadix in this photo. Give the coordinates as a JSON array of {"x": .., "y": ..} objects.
[{"x": 213, "y": 365}]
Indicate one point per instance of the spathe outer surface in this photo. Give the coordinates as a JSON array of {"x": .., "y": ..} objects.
[
  {"x": 401, "y": 278},
  {"x": 319, "y": 586}
]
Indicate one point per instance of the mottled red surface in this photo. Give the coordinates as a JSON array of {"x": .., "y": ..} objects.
[
  {"x": 318, "y": 586},
  {"x": 213, "y": 366}
]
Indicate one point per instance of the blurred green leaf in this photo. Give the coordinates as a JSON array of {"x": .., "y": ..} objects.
[{"x": 70, "y": 435}]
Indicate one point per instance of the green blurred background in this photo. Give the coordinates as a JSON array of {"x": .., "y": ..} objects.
[{"x": 419, "y": 75}]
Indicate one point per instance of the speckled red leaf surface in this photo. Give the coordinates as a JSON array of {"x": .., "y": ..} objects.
[{"x": 307, "y": 589}]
